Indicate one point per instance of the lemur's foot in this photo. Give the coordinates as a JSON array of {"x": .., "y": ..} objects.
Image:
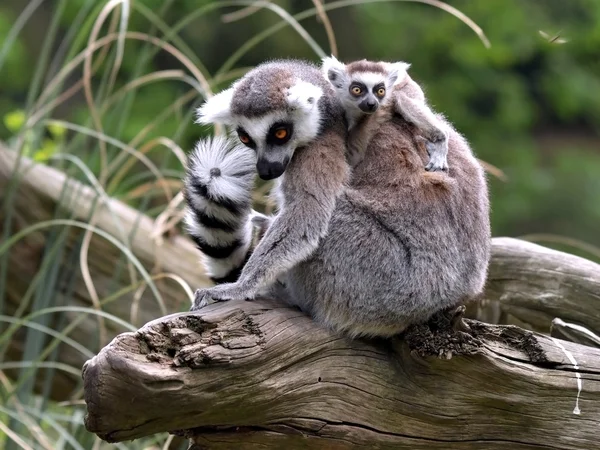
[
  {"x": 449, "y": 319},
  {"x": 438, "y": 152},
  {"x": 456, "y": 317}
]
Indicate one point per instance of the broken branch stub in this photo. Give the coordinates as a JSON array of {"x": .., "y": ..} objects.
[{"x": 257, "y": 374}]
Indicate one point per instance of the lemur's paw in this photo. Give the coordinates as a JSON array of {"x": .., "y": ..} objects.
[
  {"x": 220, "y": 293},
  {"x": 201, "y": 299},
  {"x": 437, "y": 156}
]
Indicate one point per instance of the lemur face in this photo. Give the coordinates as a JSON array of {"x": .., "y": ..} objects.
[
  {"x": 363, "y": 86},
  {"x": 366, "y": 90},
  {"x": 273, "y": 138},
  {"x": 271, "y": 112}
]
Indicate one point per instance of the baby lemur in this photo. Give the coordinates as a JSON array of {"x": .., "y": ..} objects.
[{"x": 362, "y": 86}]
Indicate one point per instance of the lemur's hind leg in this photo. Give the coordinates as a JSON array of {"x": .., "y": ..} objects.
[{"x": 433, "y": 130}]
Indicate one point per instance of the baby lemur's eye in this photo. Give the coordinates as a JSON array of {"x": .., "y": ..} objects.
[
  {"x": 356, "y": 90},
  {"x": 380, "y": 92},
  {"x": 281, "y": 133}
]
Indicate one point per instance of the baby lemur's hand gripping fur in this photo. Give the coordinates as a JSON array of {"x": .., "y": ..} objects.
[
  {"x": 363, "y": 86},
  {"x": 370, "y": 258}
]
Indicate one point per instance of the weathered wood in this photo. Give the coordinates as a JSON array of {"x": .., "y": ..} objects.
[
  {"x": 251, "y": 375},
  {"x": 574, "y": 333},
  {"x": 535, "y": 284}
]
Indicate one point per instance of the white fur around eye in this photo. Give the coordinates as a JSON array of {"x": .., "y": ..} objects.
[{"x": 306, "y": 125}]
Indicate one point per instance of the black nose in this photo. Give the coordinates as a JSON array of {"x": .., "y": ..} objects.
[
  {"x": 369, "y": 106},
  {"x": 268, "y": 170}
]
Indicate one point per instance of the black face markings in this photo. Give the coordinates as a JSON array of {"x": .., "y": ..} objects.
[
  {"x": 216, "y": 251},
  {"x": 280, "y": 133},
  {"x": 357, "y": 89},
  {"x": 245, "y": 138},
  {"x": 379, "y": 90}
]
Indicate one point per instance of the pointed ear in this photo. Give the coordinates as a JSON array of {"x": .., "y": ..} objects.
[
  {"x": 397, "y": 72},
  {"x": 303, "y": 96},
  {"x": 216, "y": 109},
  {"x": 334, "y": 71}
]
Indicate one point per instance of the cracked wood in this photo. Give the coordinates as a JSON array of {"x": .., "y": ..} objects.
[{"x": 260, "y": 375}]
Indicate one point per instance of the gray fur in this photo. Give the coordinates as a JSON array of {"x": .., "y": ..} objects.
[{"x": 373, "y": 255}]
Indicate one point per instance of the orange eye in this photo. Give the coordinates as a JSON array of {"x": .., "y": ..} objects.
[
  {"x": 356, "y": 90},
  {"x": 281, "y": 133},
  {"x": 245, "y": 139},
  {"x": 381, "y": 92}
]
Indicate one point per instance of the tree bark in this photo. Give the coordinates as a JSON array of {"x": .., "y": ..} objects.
[
  {"x": 249, "y": 375},
  {"x": 535, "y": 284}
]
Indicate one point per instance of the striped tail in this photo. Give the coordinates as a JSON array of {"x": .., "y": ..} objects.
[{"x": 218, "y": 188}]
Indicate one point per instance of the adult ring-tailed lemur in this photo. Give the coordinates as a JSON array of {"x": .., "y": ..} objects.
[{"x": 368, "y": 256}]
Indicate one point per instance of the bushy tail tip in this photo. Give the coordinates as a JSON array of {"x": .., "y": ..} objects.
[{"x": 218, "y": 187}]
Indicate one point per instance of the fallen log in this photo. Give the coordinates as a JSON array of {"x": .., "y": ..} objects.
[
  {"x": 536, "y": 284},
  {"x": 249, "y": 375}
]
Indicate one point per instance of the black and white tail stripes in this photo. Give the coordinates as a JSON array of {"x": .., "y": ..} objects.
[{"x": 218, "y": 187}]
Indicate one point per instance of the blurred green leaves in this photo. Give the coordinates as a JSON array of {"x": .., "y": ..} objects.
[
  {"x": 14, "y": 120},
  {"x": 48, "y": 146}
]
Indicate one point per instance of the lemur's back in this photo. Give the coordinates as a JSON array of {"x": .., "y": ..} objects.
[{"x": 427, "y": 233}]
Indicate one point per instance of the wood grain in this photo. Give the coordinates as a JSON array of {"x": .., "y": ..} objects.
[
  {"x": 536, "y": 284},
  {"x": 258, "y": 375}
]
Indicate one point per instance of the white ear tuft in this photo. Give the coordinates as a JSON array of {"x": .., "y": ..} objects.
[
  {"x": 397, "y": 72},
  {"x": 303, "y": 95},
  {"x": 334, "y": 71},
  {"x": 216, "y": 109}
]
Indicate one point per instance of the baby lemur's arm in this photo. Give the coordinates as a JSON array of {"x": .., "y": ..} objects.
[
  {"x": 410, "y": 103},
  {"x": 314, "y": 179}
]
